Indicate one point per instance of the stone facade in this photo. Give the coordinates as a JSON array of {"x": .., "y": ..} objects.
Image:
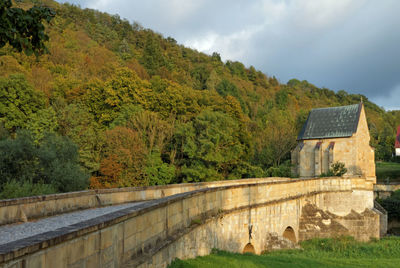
[{"x": 313, "y": 157}]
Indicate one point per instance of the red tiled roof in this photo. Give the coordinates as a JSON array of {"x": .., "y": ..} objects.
[{"x": 397, "y": 144}]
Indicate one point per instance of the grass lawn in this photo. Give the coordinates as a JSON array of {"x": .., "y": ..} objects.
[
  {"x": 389, "y": 170},
  {"x": 344, "y": 252}
]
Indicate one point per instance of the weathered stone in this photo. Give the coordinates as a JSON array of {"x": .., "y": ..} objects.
[
  {"x": 314, "y": 156},
  {"x": 276, "y": 242},
  {"x": 186, "y": 226}
]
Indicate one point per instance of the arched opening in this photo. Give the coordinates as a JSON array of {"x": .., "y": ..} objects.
[
  {"x": 289, "y": 234},
  {"x": 249, "y": 249}
]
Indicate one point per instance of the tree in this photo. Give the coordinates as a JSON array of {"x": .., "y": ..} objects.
[
  {"x": 124, "y": 159},
  {"x": 210, "y": 147},
  {"x": 42, "y": 122},
  {"x": 18, "y": 101},
  {"x": 158, "y": 172},
  {"x": 154, "y": 131},
  {"x": 106, "y": 100},
  {"x": 59, "y": 164},
  {"x": 276, "y": 138},
  {"x": 225, "y": 88},
  {"x": 152, "y": 58},
  {"x": 52, "y": 162},
  {"x": 23, "y": 29},
  {"x": 79, "y": 125}
]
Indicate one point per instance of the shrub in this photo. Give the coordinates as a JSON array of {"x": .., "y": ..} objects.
[
  {"x": 52, "y": 162},
  {"x": 338, "y": 169},
  {"x": 283, "y": 170},
  {"x": 392, "y": 205},
  {"x": 15, "y": 189}
]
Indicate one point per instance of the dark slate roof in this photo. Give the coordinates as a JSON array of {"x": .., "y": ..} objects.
[{"x": 332, "y": 122}]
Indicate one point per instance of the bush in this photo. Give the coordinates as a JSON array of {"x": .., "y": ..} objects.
[
  {"x": 387, "y": 171},
  {"x": 337, "y": 169},
  {"x": 283, "y": 170},
  {"x": 59, "y": 164},
  {"x": 15, "y": 189},
  {"x": 53, "y": 162},
  {"x": 392, "y": 205}
]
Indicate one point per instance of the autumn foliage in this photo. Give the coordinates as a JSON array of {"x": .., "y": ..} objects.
[{"x": 144, "y": 110}]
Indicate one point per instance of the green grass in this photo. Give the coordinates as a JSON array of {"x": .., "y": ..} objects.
[
  {"x": 344, "y": 252},
  {"x": 385, "y": 170}
]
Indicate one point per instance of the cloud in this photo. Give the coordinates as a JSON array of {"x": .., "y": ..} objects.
[
  {"x": 390, "y": 100},
  {"x": 233, "y": 46}
]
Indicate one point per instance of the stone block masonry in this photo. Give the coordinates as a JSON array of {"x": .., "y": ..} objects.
[
  {"x": 190, "y": 224},
  {"x": 36, "y": 207}
]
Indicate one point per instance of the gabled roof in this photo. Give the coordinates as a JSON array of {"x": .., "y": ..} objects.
[
  {"x": 332, "y": 122},
  {"x": 397, "y": 143}
]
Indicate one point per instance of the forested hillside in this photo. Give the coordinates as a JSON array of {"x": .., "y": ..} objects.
[{"x": 114, "y": 104}]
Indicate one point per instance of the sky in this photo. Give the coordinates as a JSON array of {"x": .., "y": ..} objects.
[{"x": 351, "y": 45}]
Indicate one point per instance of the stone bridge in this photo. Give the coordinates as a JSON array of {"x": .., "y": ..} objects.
[{"x": 151, "y": 226}]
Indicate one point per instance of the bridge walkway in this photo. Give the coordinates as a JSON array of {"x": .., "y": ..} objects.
[{"x": 17, "y": 231}]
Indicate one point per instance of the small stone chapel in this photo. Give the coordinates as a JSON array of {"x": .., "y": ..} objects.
[{"x": 334, "y": 134}]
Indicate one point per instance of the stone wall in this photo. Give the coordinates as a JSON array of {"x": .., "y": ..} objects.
[
  {"x": 191, "y": 224},
  {"x": 28, "y": 208},
  {"x": 383, "y": 191},
  {"x": 315, "y": 222},
  {"x": 365, "y": 153}
]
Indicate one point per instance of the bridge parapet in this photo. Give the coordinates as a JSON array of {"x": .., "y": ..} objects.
[
  {"x": 36, "y": 207},
  {"x": 190, "y": 224}
]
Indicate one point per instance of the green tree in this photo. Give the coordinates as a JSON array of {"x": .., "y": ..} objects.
[
  {"x": 212, "y": 80},
  {"x": 23, "y": 29},
  {"x": 157, "y": 171},
  {"x": 225, "y": 88},
  {"x": 152, "y": 58},
  {"x": 41, "y": 122},
  {"x": 154, "y": 131},
  {"x": 383, "y": 141},
  {"x": 125, "y": 114},
  {"x": 18, "y": 101},
  {"x": 210, "y": 147},
  {"x": 53, "y": 162},
  {"x": 200, "y": 75},
  {"x": 276, "y": 138},
  {"x": 281, "y": 99},
  {"x": 78, "y": 124},
  {"x": 105, "y": 100},
  {"x": 59, "y": 164},
  {"x": 236, "y": 68}
]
